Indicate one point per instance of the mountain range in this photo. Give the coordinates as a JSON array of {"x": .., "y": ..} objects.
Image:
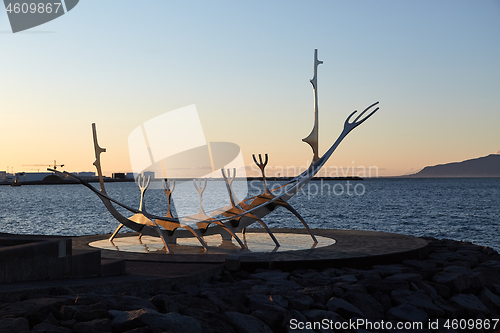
[{"x": 487, "y": 166}]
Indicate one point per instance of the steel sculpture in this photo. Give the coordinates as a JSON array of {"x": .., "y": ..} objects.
[{"x": 234, "y": 218}]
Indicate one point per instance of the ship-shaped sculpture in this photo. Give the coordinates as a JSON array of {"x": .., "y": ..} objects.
[{"x": 238, "y": 215}]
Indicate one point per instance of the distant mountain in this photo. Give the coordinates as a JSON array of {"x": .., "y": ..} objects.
[{"x": 488, "y": 166}]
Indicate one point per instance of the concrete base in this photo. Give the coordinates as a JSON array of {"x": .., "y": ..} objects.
[
  {"x": 348, "y": 248},
  {"x": 32, "y": 257}
]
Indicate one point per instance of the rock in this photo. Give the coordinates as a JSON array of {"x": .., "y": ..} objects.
[
  {"x": 469, "y": 303},
  {"x": 383, "y": 299},
  {"x": 441, "y": 289},
  {"x": 386, "y": 270},
  {"x": 145, "y": 330},
  {"x": 428, "y": 290},
  {"x": 189, "y": 289},
  {"x": 488, "y": 276},
  {"x": 319, "y": 315},
  {"x": 319, "y": 294},
  {"x": 192, "y": 302},
  {"x": 344, "y": 308},
  {"x": 407, "y": 312},
  {"x": 445, "y": 256},
  {"x": 409, "y": 277},
  {"x": 490, "y": 299},
  {"x": 128, "y": 303},
  {"x": 384, "y": 285},
  {"x": 68, "y": 311},
  {"x": 368, "y": 305},
  {"x": 278, "y": 286},
  {"x": 246, "y": 323},
  {"x": 96, "y": 325},
  {"x": 458, "y": 278},
  {"x": 68, "y": 323},
  {"x": 292, "y": 322},
  {"x": 495, "y": 264},
  {"x": 420, "y": 264},
  {"x": 14, "y": 325},
  {"x": 50, "y": 328},
  {"x": 88, "y": 314},
  {"x": 211, "y": 322},
  {"x": 349, "y": 278},
  {"x": 271, "y": 302},
  {"x": 173, "y": 322},
  {"x": 271, "y": 317},
  {"x": 164, "y": 303},
  {"x": 299, "y": 301},
  {"x": 420, "y": 300},
  {"x": 41, "y": 305},
  {"x": 449, "y": 310}
]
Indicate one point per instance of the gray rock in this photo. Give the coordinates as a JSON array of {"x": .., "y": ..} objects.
[
  {"x": 384, "y": 285},
  {"x": 317, "y": 315},
  {"x": 299, "y": 301},
  {"x": 449, "y": 310},
  {"x": 420, "y": 264},
  {"x": 173, "y": 322},
  {"x": 210, "y": 322},
  {"x": 441, "y": 289},
  {"x": 271, "y": 317},
  {"x": 457, "y": 278},
  {"x": 39, "y": 305},
  {"x": 344, "y": 308},
  {"x": 407, "y": 312},
  {"x": 14, "y": 325},
  {"x": 164, "y": 303},
  {"x": 386, "y": 270},
  {"x": 189, "y": 289},
  {"x": 495, "y": 264},
  {"x": 96, "y": 325},
  {"x": 428, "y": 290},
  {"x": 319, "y": 294},
  {"x": 420, "y": 300},
  {"x": 277, "y": 286},
  {"x": 488, "y": 276},
  {"x": 247, "y": 324},
  {"x": 128, "y": 303},
  {"x": 145, "y": 330},
  {"x": 349, "y": 278},
  {"x": 409, "y": 277},
  {"x": 261, "y": 301},
  {"x": 188, "y": 301},
  {"x": 368, "y": 305},
  {"x": 469, "y": 303},
  {"x": 89, "y": 314},
  {"x": 445, "y": 256},
  {"x": 490, "y": 299},
  {"x": 291, "y": 322},
  {"x": 50, "y": 328}
]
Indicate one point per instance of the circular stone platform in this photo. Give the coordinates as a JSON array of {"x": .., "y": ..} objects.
[
  {"x": 256, "y": 242},
  {"x": 335, "y": 248}
]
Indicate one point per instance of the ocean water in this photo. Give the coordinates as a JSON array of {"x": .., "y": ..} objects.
[{"x": 462, "y": 209}]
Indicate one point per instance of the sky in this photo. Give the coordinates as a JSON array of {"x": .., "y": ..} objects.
[{"x": 433, "y": 66}]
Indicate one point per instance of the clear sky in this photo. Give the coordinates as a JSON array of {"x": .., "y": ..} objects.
[{"x": 433, "y": 65}]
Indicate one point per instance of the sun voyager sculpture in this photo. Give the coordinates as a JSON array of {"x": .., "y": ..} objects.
[{"x": 238, "y": 215}]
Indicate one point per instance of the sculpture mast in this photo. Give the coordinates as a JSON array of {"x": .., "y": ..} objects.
[{"x": 312, "y": 139}]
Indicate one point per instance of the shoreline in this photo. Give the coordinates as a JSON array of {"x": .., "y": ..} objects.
[{"x": 456, "y": 281}]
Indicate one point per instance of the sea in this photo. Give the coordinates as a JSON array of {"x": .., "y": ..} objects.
[{"x": 464, "y": 209}]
